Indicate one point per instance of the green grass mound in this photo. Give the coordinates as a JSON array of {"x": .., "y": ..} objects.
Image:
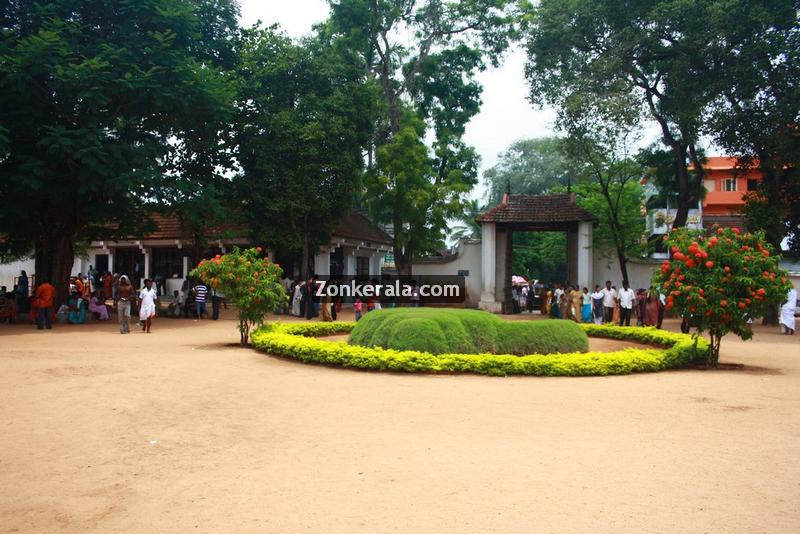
[
  {"x": 458, "y": 331},
  {"x": 297, "y": 341}
]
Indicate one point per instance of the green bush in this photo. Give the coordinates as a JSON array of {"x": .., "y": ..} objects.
[
  {"x": 443, "y": 331},
  {"x": 678, "y": 350}
]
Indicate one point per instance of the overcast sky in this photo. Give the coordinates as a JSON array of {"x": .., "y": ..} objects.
[{"x": 505, "y": 116}]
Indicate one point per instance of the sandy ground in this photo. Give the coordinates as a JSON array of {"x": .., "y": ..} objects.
[{"x": 177, "y": 431}]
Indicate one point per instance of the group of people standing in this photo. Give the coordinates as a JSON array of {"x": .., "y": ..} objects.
[
  {"x": 94, "y": 294},
  {"x": 604, "y": 305}
]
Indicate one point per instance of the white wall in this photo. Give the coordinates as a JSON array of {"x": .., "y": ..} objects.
[
  {"x": 9, "y": 271},
  {"x": 640, "y": 271},
  {"x": 468, "y": 258}
]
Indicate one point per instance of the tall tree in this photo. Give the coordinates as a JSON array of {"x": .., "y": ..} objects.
[
  {"x": 599, "y": 135},
  {"x": 528, "y": 166},
  {"x": 200, "y": 157},
  {"x": 466, "y": 227},
  {"x": 756, "y": 113},
  {"x": 424, "y": 57},
  {"x": 92, "y": 91},
  {"x": 664, "y": 53},
  {"x": 306, "y": 113}
]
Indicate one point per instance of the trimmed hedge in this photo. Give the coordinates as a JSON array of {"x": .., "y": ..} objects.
[
  {"x": 290, "y": 340},
  {"x": 449, "y": 331}
]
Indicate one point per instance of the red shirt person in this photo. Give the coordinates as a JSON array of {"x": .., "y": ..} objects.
[{"x": 45, "y": 293}]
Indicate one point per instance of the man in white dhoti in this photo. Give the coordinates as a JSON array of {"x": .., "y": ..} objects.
[
  {"x": 147, "y": 306},
  {"x": 787, "y": 312}
]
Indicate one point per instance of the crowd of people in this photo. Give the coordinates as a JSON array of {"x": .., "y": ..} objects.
[
  {"x": 97, "y": 295},
  {"x": 604, "y": 305},
  {"x": 303, "y": 300}
]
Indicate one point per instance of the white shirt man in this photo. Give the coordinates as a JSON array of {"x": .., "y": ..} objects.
[
  {"x": 626, "y": 298},
  {"x": 609, "y": 295}
]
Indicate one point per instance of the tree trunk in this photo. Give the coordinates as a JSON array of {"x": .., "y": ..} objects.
[
  {"x": 244, "y": 332},
  {"x": 713, "y": 350},
  {"x": 402, "y": 261},
  {"x": 403, "y": 255},
  {"x": 54, "y": 257},
  {"x": 682, "y": 179},
  {"x": 305, "y": 260},
  {"x": 623, "y": 263}
]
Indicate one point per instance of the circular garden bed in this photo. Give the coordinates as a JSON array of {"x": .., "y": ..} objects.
[{"x": 387, "y": 351}]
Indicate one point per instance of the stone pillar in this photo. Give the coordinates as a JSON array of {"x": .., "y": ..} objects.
[
  {"x": 572, "y": 257},
  {"x": 585, "y": 255},
  {"x": 322, "y": 264},
  {"x": 147, "y": 263},
  {"x": 488, "y": 265}
]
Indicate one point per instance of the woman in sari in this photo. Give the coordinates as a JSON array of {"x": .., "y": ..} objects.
[
  {"x": 546, "y": 300},
  {"x": 615, "y": 319},
  {"x": 564, "y": 306},
  {"x": 108, "y": 283},
  {"x": 297, "y": 297},
  {"x": 652, "y": 307},
  {"x": 586, "y": 308},
  {"x": 97, "y": 305},
  {"x": 77, "y": 309},
  {"x": 576, "y": 301}
]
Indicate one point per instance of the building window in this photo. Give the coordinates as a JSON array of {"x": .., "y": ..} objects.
[
  {"x": 337, "y": 263},
  {"x": 167, "y": 262},
  {"x": 362, "y": 268},
  {"x": 752, "y": 184},
  {"x": 729, "y": 184}
]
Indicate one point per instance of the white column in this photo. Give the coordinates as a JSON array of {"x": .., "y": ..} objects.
[
  {"x": 147, "y": 263},
  {"x": 322, "y": 264},
  {"x": 111, "y": 260},
  {"x": 585, "y": 254},
  {"x": 488, "y": 264},
  {"x": 185, "y": 266},
  {"x": 349, "y": 263},
  {"x": 375, "y": 264}
]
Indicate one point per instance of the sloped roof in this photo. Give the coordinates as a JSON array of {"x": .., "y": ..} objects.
[
  {"x": 353, "y": 226},
  {"x": 537, "y": 209},
  {"x": 356, "y": 225},
  {"x": 169, "y": 227}
]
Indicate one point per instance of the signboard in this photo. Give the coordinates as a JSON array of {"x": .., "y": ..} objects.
[{"x": 659, "y": 221}]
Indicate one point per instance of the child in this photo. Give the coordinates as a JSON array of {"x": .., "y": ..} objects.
[{"x": 357, "y": 305}]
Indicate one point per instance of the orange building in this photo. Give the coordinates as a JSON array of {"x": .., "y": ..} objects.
[{"x": 726, "y": 186}]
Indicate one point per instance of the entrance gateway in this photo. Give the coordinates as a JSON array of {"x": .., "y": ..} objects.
[{"x": 531, "y": 213}]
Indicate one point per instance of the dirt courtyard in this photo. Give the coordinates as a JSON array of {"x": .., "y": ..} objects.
[{"x": 178, "y": 431}]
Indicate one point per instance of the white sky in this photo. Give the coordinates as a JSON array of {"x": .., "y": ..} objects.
[{"x": 505, "y": 115}]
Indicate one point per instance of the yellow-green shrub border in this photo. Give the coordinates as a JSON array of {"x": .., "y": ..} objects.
[{"x": 294, "y": 340}]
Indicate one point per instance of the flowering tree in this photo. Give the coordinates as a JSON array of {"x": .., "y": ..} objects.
[
  {"x": 249, "y": 281},
  {"x": 722, "y": 281}
]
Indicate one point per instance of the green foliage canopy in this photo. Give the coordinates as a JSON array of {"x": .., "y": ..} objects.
[
  {"x": 249, "y": 281},
  {"x": 722, "y": 281}
]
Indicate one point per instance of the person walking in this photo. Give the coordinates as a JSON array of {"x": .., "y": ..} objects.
[
  {"x": 125, "y": 298},
  {"x": 147, "y": 308},
  {"x": 626, "y": 299},
  {"x": 788, "y": 310},
  {"x": 597, "y": 305},
  {"x": 45, "y": 293},
  {"x": 586, "y": 306},
  {"x": 21, "y": 293},
  {"x": 609, "y": 296},
  {"x": 200, "y": 292}
]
